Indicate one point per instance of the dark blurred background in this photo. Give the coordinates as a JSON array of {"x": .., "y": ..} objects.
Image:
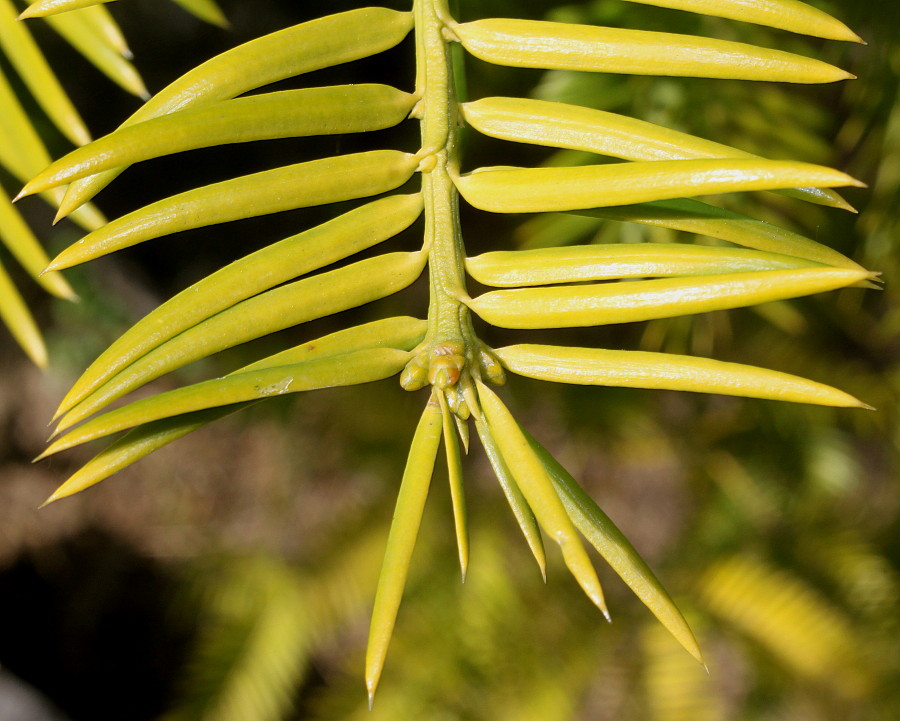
[{"x": 230, "y": 575}]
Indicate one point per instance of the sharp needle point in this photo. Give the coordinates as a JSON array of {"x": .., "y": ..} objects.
[{"x": 47, "y": 502}]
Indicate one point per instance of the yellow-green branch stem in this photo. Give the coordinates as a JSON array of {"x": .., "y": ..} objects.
[{"x": 448, "y": 317}]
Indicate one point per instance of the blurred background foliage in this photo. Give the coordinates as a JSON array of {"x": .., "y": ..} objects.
[{"x": 231, "y": 575}]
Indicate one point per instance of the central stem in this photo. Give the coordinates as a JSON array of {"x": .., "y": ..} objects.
[
  {"x": 451, "y": 355},
  {"x": 447, "y": 316}
]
